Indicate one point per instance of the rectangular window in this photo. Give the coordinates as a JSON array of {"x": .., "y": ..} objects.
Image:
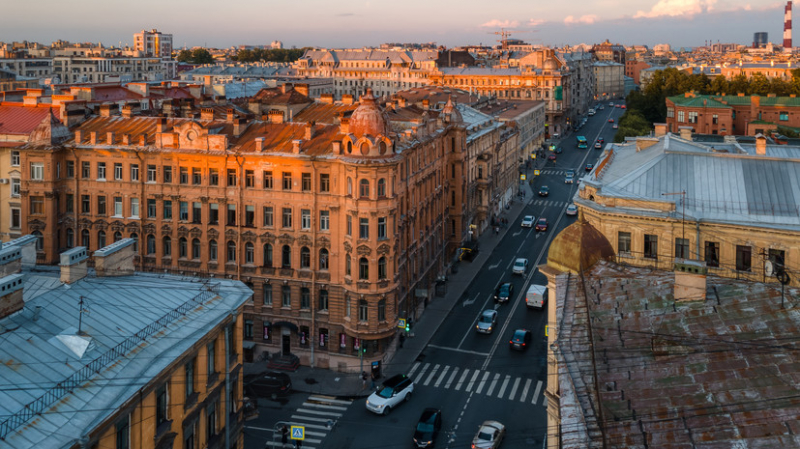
[
  {"x": 692, "y": 117},
  {"x": 118, "y": 171},
  {"x": 183, "y": 211},
  {"x": 363, "y": 228},
  {"x": 231, "y": 215},
  {"x": 101, "y": 205},
  {"x": 37, "y": 171},
  {"x": 287, "y": 181},
  {"x": 250, "y": 216},
  {"x": 680, "y": 116},
  {"x": 286, "y": 296},
  {"x": 784, "y": 116},
  {"x": 189, "y": 371},
  {"x": 151, "y": 173},
  {"x": 743, "y": 258},
  {"x": 249, "y": 179},
  {"x": 101, "y": 171},
  {"x": 86, "y": 170},
  {"x": 712, "y": 254},
  {"x": 197, "y": 176},
  {"x": 134, "y": 207},
  {"x": 287, "y": 217},
  {"x": 211, "y": 421},
  {"x": 382, "y": 228},
  {"x": 16, "y": 185},
  {"x": 123, "y": 431},
  {"x": 197, "y": 212},
  {"x": 117, "y": 206},
  {"x": 651, "y": 246},
  {"x": 267, "y": 180},
  {"x": 670, "y": 112},
  {"x": 183, "y": 177},
  {"x": 134, "y": 172},
  {"x": 86, "y": 204},
  {"x": 305, "y": 219},
  {"x": 213, "y": 177},
  {"x": 324, "y": 220},
  {"x": 248, "y": 329},
  {"x": 306, "y": 182},
  {"x": 681, "y": 248},
  {"x": 305, "y": 299},
  {"x": 37, "y": 205},
  {"x": 167, "y": 209},
  {"x": 167, "y": 175},
  {"x": 15, "y": 158},
  {"x": 267, "y": 295},
  {"x": 715, "y": 119},
  {"x": 70, "y": 169},
  {"x": 231, "y": 177},
  {"x": 349, "y": 225},
  {"x": 211, "y": 365},
  {"x": 16, "y": 218},
  {"x": 213, "y": 213},
  {"x": 151, "y": 208},
  {"x": 777, "y": 257},
  {"x": 324, "y": 182},
  {"x": 268, "y": 216},
  {"x": 162, "y": 404},
  {"x": 70, "y": 203}
]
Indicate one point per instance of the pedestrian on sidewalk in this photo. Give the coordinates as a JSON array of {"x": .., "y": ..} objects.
[
  {"x": 363, "y": 379},
  {"x": 372, "y": 381},
  {"x": 402, "y": 338},
  {"x": 284, "y": 435}
]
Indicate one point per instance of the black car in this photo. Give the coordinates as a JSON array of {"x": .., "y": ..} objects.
[
  {"x": 428, "y": 427},
  {"x": 544, "y": 191},
  {"x": 273, "y": 385},
  {"x": 521, "y": 339},
  {"x": 504, "y": 292}
]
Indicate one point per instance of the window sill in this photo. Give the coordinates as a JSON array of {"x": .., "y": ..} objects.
[{"x": 191, "y": 400}]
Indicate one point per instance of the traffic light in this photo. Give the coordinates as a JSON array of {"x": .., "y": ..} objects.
[{"x": 408, "y": 326}]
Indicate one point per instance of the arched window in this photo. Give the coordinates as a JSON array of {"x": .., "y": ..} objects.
[
  {"x": 363, "y": 268},
  {"x": 363, "y": 310},
  {"x": 231, "y": 251},
  {"x": 382, "y": 147},
  {"x": 151, "y": 244},
  {"x": 195, "y": 248},
  {"x": 101, "y": 239},
  {"x": 85, "y": 239},
  {"x": 182, "y": 247},
  {"x": 212, "y": 250},
  {"x": 349, "y": 186},
  {"x": 267, "y": 255},
  {"x": 70, "y": 238},
  {"x": 382, "y": 268},
  {"x": 363, "y": 188},
  {"x": 323, "y": 259},
  {"x": 286, "y": 256},
  {"x": 39, "y": 240},
  {"x": 347, "y": 268},
  {"x": 167, "y": 246},
  {"x": 381, "y": 188},
  {"x": 323, "y": 300},
  {"x": 249, "y": 253},
  {"x": 135, "y": 238},
  {"x": 305, "y": 257},
  {"x": 117, "y": 236}
]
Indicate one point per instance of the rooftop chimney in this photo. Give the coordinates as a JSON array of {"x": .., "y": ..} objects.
[
  {"x": 115, "y": 259},
  {"x": 26, "y": 244},
  {"x": 105, "y": 110},
  {"x": 126, "y": 139},
  {"x": 660, "y": 129},
  {"x": 230, "y": 114},
  {"x": 93, "y": 137},
  {"x": 347, "y": 99},
  {"x": 260, "y": 144},
  {"x": 11, "y": 291},
  {"x": 301, "y": 88},
  {"x": 275, "y": 116},
  {"x": 110, "y": 138},
  {"x": 10, "y": 261},
  {"x": 207, "y": 114},
  {"x": 309, "y": 131},
  {"x": 127, "y": 111},
  {"x": 78, "y": 137},
  {"x": 686, "y": 132},
  {"x": 162, "y": 124},
  {"x": 239, "y": 125},
  {"x": 73, "y": 264},
  {"x": 326, "y": 98},
  {"x": 690, "y": 280},
  {"x": 761, "y": 145},
  {"x": 296, "y": 143}
]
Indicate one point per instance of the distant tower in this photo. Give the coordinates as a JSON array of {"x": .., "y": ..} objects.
[
  {"x": 787, "y": 26},
  {"x": 760, "y": 40}
]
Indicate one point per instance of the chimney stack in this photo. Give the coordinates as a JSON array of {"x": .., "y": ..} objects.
[
  {"x": 296, "y": 146},
  {"x": 162, "y": 124},
  {"x": 347, "y": 99},
  {"x": 73, "y": 264},
  {"x": 126, "y": 139},
  {"x": 105, "y": 110},
  {"x": 275, "y": 116},
  {"x": 239, "y": 125},
  {"x": 115, "y": 259},
  {"x": 660, "y": 129},
  {"x": 110, "y": 138},
  {"x": 686, "y": 132},
  {"x": 761, "y": 145},
  {"x": 93, "y": 137},
  {"x": 207, "y": 114},
  {"x": 229, "y": 118},
  {"x": 143, "y": 139},
  {"x": 326, "y": 98},
  {"x": 11, "y": 299},
  {"x": 260, "y": 144},
  {"x": 127, "y": 111},
  {"x": 309, "y": 131},
  {"x": 690, "y": 280},
  {"x": 27, "y": 245},
  {"x": 78, "y": 137}
]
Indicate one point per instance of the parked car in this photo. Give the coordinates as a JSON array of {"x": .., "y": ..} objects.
[
  {"x": 504, "y": 292},
  {"x": 589, "y": 167},
  {"x": 601, "y": 107},
  {"x": 520, "y": 266},
  {"x": 521, "y": 339},
  {"x": 541, "y": 225},
  {"x": 544, "y": 191},
  {"x": 487, "y": 321},
  {"x": 394, "y": 391},
  {"x": 490, "y": 435},
  {"x": 572, "y": 210},
  {"x": 527, "y": 221},
  {"x": 273, "y": 385},
  {"x": 428, "y": 427}
]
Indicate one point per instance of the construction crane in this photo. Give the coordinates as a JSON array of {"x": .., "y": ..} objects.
[{"x": 503, "y": 38}]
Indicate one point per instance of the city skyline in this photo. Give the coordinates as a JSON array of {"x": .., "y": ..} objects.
[{"x": 680, "y": 23}]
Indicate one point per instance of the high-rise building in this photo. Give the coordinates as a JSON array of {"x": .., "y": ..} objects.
[
  {"x": 760, "y": 40},
  {"x": 153, "y": 43}
]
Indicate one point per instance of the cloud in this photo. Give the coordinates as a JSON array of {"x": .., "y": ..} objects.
[
  {"x": 587, "y": 19},
  {"x": 534, "y": 22},
  {"x": 676, "y": 8},
  {"x": 495, "y": 23}
]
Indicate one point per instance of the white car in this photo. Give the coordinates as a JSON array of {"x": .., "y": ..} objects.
[
  {"x": 487, "y": 321},
  {"x": 520, "y": 266},
  {"x": 490, "y": 435},
  {"x": 527, "y": 221},
  {"x": 572, "y": 210},
  {"x": 394, "y": 391}
]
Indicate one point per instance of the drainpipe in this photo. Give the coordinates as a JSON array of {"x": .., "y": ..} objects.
[
  {"x": 239, "y": 216},
  {"x": 314, "y": 292},
  {"x": 228, "y": 381},
  {"x": 697, "y": 243}
]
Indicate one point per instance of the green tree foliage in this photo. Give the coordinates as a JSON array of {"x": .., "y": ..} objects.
[
  {"x": 201, "y": 56},
  {"x": 631, "y": 124},
  {"x": 270, "y": 54},
  {"x": 185, "y": 56}
]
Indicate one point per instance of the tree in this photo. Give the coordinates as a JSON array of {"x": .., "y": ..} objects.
[
  {"x": 201, "y": 56},
  {"x": 719, "y": 86},
  {"x": 184, "y": 56},
  {"x": 632, "y": 124}
]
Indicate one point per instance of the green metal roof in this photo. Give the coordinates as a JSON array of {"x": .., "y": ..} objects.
[
  {"x": 716, "y": 101},
  {"x": 697, "y": 101}
]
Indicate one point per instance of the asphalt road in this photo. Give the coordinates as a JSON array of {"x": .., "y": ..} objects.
[{"x": 471, "y": 377}]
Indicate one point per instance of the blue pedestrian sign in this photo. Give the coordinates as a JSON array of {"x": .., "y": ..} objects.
[
  {"x": 401, "y": 323},
  {"x": 298, "y": 433}
]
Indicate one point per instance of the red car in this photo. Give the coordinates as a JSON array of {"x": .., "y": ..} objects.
[
  {"x": 601, "y": 140},
  {"x": 623, "y": 106},
  {"x": 589, "y": 167},
  {"x": 551, "y": 157},
  {"x": 611, "y": 120},
  {"x": 541, "y": 225}
]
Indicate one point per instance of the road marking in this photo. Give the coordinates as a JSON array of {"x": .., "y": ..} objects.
[
  {"x": 441, "y": 378},
  {"x": 536, "y": 394},
  {"x": 492, "y": 267},
  {"x": 483, "y": 382},
  {"x": 433, "y": 373},
  {"x": 309, "y": 418},
  {"x": 493, "y": 384},
  {"x": 517, "y": 233},
  {"x": 525, "y": 390},
  {"x": 472, "y": 381},
  {"x": 329, "y": 399},
  {"x": 452, "y": 376},
  {"x": 319, "y": 412},
  {"x": 279, "y": 444},
  {"x": 514, "y": 389},
  {"x": 503, "y": 387},
  {"x": 470, "y": 301},
  {"x": 466, "y": 351},
  {"x": 413, "y": 368},
  {"x": 422, "y": 373},
  {"x": 324, "y": 406},
  {"x": 461, "y": 380}
]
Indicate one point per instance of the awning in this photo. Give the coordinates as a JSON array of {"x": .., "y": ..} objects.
[
  {"x": 248, "y": 344},
  {"x": 287, "y": 325}
]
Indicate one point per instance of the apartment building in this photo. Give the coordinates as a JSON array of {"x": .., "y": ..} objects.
[
  {"x": 732, "y": 114},
  {"x": 609, "y": 80},
  {"x": 85, "y": 69},
  {"x": 153, "y": 44}
]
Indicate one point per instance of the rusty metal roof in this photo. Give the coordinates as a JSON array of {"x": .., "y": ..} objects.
[
  {"x": 16, "y": 118},
  {"x": 323, "y": 113}
]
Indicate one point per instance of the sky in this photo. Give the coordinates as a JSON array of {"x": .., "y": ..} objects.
[{"x": 351, "y": 23}]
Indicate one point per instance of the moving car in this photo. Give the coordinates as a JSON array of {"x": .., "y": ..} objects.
[
  {"x": 611, "y": 120},
  {"x": 598, "y": 145},
  {"x": 551, "y": 157},
  {"x": 541, "y": 225},
  {"x": 623, "y": 107},
  {"x": 569, "y": 177},
  {"x": 544, "y": 191},
  {"x": 428, "y": 427},
  {"x": 591, "y": 112},
  {"x": 614, "y": 126},
  {"x": 601, "y": 107},
  {"x": 589, "y": 167},
  {"x": 572, "y": 210},
  {"x": 487, "y": 321},
  {"x": 273, "y": 385},
  {"x": 521, "y": 339},
  {"x": 535, "y": 296},
  {"x": 611, "y": 103},
  {"x": 490, "y": 435},
  {"x": 392, "y": 393},
  {"x": 504, "y": 292},
  {"x": 520, "y": 266},
  {"x": 527, "y": 221},
  {"x": 601, "y": 139}
]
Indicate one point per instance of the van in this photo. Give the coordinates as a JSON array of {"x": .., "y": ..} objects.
[{"x": 536, "y": 296}]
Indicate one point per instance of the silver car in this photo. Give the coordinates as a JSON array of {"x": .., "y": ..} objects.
[
  {"x": 487, "y": 321},
  {"x": 520, "y": 266}
]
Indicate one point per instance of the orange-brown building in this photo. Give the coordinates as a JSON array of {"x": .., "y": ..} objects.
[
  {"x": 340, "y": 229},
  {"x": 732, "y": 114}
]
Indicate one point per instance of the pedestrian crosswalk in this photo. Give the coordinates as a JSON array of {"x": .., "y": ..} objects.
[
  {"x": 501, "y": 386},
  {"x": 318, "y": 416},
  {"x": 549, "y": 203}
]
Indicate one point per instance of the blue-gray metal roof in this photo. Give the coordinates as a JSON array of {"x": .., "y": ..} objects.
[{"x": 36, "y": 355}]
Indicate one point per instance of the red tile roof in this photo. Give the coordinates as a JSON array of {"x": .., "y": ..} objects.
[{"x": 16, "y": 118}]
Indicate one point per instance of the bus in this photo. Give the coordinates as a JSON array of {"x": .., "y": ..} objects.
[{"x": 582, "y": 144}]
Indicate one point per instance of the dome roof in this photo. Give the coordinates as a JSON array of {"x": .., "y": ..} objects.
[
  {"x": 578, "y": 247},
  {"x": 550, "y": 64},
  {"x": 451, "y": 112},
  {"x": 368, "y": 119}
]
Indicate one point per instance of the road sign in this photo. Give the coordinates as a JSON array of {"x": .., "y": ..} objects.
[
  {"x": 522, "y": 177},
  {"x": 536, "y": 173},
  {"x": 298, "y": 433},
  {"x": 401, "y": 323},
  {"x": 545, "y": 331}
]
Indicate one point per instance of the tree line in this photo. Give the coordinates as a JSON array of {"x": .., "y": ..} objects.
[{"x": 269, "y": 55}]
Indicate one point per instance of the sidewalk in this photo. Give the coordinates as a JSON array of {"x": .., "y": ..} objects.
[{"x": 399, "y": 360}]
